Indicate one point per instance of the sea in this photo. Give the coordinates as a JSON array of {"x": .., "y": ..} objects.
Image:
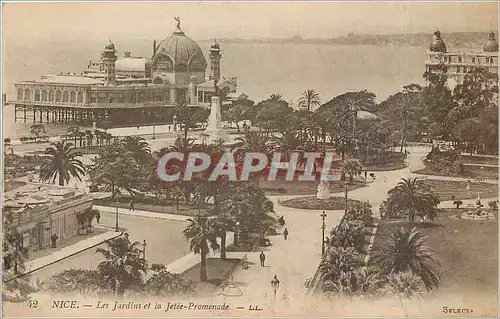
[{"x": 261, "y": 68}]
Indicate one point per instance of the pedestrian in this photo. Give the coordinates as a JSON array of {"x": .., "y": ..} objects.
[
  {"x": 131, "y": 206},
  {"x": 285, "y": 233},
  {"x": 54, "y": 239},
  {"x": 98, "y": 217},
  {"x": 385, "y": 178},
  {"x": 262, "y": 258}
]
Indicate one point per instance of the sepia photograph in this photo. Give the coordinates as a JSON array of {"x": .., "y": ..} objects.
[{"x": 250, "y": 159}]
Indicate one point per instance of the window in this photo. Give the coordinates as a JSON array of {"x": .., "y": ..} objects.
[
  {"x": 37, "y": 95},
  {"x": 73, "y": 97},
  {"x": 65, "y": 96},
  {"x": 163, "y": 64},
  {"x": 80, "y": 97},
  {"x": 51, "y": 96},
  {"x": 27, "y": 95},
  {"x": 58, "y": 96},
  {"x": 19, "y": 94},
  {"x": 44, "y": 96},
  {"x": 458, "y": 69},
  {"x": 473, "y": 60}
]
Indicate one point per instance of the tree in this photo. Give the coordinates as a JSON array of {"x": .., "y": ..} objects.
[
  {"x": 139, "y": 148},
  {"x": 352, "y": 168},
  {"x": 309, "y": 99},
  {"x": 412, "y": 197},
  {"x": 201, "y": 237},
  {"x": 62, "y": 163},
  {"x": 83, "y": 281},
  {"x": 358, "y": 284},
  {"x": 221, "y": 224},
  {"x": 165, "y": 283},
  {"x": 90, "y": 137},
  {"x": 271, "y": 114},
  {"x": 437, "y": 97},
  {"x": 115, "y": 169},
  {"x": 177, "y": 194},
  {"x": 457, "y": 203},
  {"x": 404, "y": 284},
  {"x": 74, "y": 131},
  {"x": 37, "y": 129},
  {"x": 339, "y": 260},
  {"x": 16, "y": 284},
  {"x": 123, "y": 267},
  {"x": 236, "y": 114},
  {"x": 189, "y": 116},
  {"x": 275, "y": 97},
  {"x": 407, "y": 250}
]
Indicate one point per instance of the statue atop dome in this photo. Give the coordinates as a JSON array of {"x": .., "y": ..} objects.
[{"x": 178, "y": 29}]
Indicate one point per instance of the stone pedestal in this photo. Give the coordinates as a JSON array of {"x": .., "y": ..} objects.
[
  {"x": 323, "y": 192},
  {"x": 214, "y": 129}
]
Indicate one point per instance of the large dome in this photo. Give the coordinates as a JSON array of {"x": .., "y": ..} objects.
[
  {"x": 491, "y": 45},
  {"x": 437, "y": 44},
  {"x": 180, "y": 53}
]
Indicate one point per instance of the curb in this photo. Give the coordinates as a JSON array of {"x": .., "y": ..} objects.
[{"x": 65, "y": 257}]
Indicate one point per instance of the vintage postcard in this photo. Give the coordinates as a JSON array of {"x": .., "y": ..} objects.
[{"x": 250, "y": 159}]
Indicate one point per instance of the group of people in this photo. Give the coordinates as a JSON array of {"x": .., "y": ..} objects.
[{"x": 262, "y": 256}]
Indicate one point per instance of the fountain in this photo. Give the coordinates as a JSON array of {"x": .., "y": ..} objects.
[{"x": 214, "y": 130}]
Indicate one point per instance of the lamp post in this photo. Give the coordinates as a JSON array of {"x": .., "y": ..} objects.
[
  {"x": 275, "y": 283},
  {"x": 346, "y": 184},
  {"x": 116, "y": 217},
  {"x": 154, "y": 129},
  {"x": 144, "y": 249},
  {"x": 323, "y": 226},
  {"x": 236, "y": 233}
]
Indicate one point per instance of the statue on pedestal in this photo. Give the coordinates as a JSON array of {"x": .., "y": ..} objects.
[{"x": 323, "y": 192}]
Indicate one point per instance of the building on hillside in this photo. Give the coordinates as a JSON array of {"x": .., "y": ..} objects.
[
  {"x": 459, "y": 62},
  {"x": 38, "y": 211},
  {"x": 128, "y": 90}
]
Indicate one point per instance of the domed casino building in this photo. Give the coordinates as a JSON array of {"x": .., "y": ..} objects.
[
  {"x": 129, "y": 90},
  {"x": 461, "y": 61}
]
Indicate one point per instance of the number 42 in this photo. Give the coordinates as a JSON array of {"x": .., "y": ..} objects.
[{"x": 32, "y": 303}]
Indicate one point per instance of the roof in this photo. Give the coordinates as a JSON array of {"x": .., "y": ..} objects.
[
  {"x": 210, "y": 84},
  {"x": 181, "y": 49},
  {"x": 67, "y": 79},
  {"x": 131, "y": 64}
]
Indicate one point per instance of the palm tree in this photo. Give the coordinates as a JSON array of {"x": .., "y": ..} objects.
[
  {"x": 404, "y": 284},
  {"x": 309, "y": 99},
  {"x": 351, "y": 167},
  {"x": 413, "y": 197},
  {"x": 359, "y": 284},
  {"x": 338, "y": 259},
  {"x": 275, "y": 97},
  {"x": 123, "y": 267},
  {"x": 176, "y": 193},
  {"x": 138, "y": 147},
  {"x": 62, "y": 163},
  {"x": 201, "y": 237},
  {"x": 407, "y": 250}
]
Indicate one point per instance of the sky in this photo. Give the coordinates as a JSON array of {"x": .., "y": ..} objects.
[{"x": 207, "y": 20}]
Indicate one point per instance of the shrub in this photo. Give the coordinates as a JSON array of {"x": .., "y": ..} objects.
[
  {"x": 83, "y": 281},
  {"x": 493, "y": 205},
  {"x": 24, "y": 139},
  {"x": 458, "y": 203},
  {"x": 165, "y": 283},
  {"x": 6, "y": 140},
  {"x": 447, "y": 162}
]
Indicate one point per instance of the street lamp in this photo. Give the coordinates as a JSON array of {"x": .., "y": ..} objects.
[
  {"x": 154, "y": 129},
  {"x": 323, "y": 216},
  {"x": 144, "y": 249},
  {"x": 116, "y": 217},
  {"x": 275, "y": 283},
  {"x": 346, "y": 184}
]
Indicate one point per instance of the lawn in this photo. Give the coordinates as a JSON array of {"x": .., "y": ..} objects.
[
  {"x": 311, "y": 202},
  {"x": 164, "y": 208},
  {"x": 446, "y": 189},
  {"x": 280, "y": 187},
  {"x": 480, "y": 160},
  {"x": 469, "y": 172},
  {"x": 467, "y": 251},
  {"x": 218, "y": 270},
  {"x": 385, "y": 167}
]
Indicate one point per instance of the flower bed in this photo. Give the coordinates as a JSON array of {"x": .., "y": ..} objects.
[{"x": 311, "y": 202}]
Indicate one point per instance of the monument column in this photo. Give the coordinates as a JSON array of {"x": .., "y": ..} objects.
[{"x": 173, "y": 95}]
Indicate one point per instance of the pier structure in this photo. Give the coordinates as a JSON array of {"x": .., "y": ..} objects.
[{"x": 130, "y": 90}]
